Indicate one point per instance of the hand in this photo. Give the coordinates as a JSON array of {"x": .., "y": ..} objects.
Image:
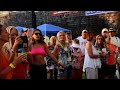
[
  {"x": 103, "y": 54},
  {"x": 30, "y": 40},
  {"x": 18, "y": 40},
  {"x": 20, "y": 59}
]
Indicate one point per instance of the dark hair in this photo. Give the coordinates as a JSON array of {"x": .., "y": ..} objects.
[
  {"x": 41, "y": 40},
  {"x": 1, "y": 28},
  {"x": 68, "y": 33},
  {"x": 90, "y": 36}
]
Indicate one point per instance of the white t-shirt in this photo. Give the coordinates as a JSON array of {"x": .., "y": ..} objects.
[
  {"x": 82, "y": 44},
  {"x": 115, "y": 40}
]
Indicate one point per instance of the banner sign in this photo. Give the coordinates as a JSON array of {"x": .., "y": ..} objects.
[
  {"x": 58, "y": 13},
  {"x": 89, "y": 13}
]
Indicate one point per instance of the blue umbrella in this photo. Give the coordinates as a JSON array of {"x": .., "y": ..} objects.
[{"x": 19, "y": 28}]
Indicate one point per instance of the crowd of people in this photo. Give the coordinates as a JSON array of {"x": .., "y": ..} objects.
[{"x": 27, "y": 56}]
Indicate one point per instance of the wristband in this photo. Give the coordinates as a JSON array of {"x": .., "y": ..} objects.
[{"x": 11, "y": 65}]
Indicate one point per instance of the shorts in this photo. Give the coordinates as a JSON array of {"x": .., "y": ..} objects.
[{"x": 91, "y": 73}]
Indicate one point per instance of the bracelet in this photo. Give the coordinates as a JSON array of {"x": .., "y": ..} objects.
[{"x": 11, "y": 65}]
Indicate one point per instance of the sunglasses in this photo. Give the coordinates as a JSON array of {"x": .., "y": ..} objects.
[
  {"x": 37, "y": 34},
  {"x": 105, "y": 32}
]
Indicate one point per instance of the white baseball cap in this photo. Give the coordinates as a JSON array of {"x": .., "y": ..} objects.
[
  {"x": 83, "y": 31},
  {"x": 112, "y": 30},
  {"x": 104, "y": 30}
]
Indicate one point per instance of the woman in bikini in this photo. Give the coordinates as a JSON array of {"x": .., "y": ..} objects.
[{"x": 38, "y": 52}]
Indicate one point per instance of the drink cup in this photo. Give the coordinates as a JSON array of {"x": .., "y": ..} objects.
[{"x": 104, "y": 50}]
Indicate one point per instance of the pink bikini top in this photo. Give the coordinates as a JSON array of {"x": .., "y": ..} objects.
[{"x": 38, "y": 51}]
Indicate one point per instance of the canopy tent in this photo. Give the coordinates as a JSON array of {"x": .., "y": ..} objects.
[
  {"x": 19, "y": 28},
  {"x": 48, "y": 29}
]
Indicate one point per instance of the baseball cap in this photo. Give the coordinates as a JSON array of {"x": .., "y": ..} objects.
[
  {"x": 84, "y": 31},
  {"x": 111, "y": 30},
  {"x": 24, "y": 30},
  {"x": 104, "y": 30}
]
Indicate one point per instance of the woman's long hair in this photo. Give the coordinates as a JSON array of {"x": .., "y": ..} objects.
[
  {"x": 41, "y": 40},
  {"x": 8, "y": 45},
  {"x": 58, "y": 35}
]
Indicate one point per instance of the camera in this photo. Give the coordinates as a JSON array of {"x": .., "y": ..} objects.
[{"x": 24, "y": 44}]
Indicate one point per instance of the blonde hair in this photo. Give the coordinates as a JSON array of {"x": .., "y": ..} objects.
[
  {"x": 52, "y": 38},
  {"x": 58, "y": 35},
  {"x": 8, "y": 45}
]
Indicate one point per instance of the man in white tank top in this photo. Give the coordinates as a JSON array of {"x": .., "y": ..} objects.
[{"x": 83, "y": 41}]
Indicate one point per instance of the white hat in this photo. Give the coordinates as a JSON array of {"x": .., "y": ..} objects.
[
  {"x": 111, "y": 30},
  {"x": 75, "y": 45},
  {"x": 84, "y": 31},
  {"x": 104, "y": 29}
]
